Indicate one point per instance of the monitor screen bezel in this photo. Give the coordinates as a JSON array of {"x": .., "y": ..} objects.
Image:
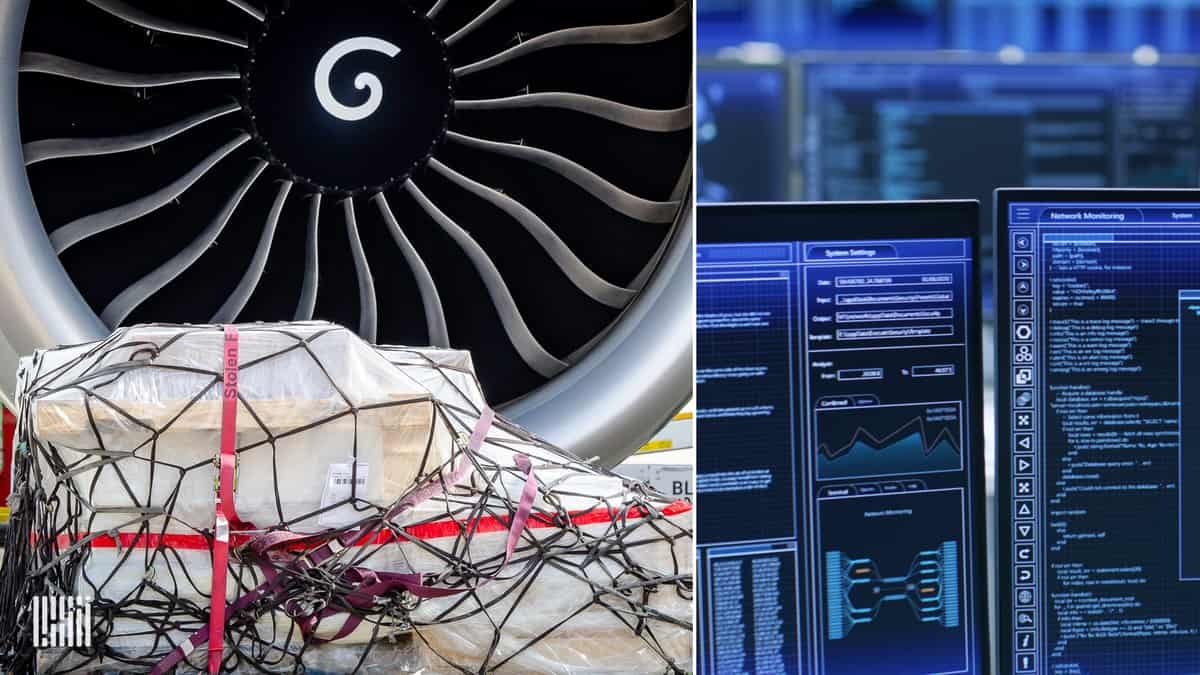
[
  {"x": 1002, "y": 284},
  {"x": 924, "y": 219},
  {"x": 920, "y": 219}
]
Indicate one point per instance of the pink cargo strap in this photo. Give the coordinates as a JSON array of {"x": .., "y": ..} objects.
[{"x": 225, "y": 509}]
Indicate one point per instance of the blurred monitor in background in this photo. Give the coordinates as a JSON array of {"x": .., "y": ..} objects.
[
  {"x": 1171, "y": 26},
  {"x": 911, "y": 130},
  {"x": 823, "y": 24},
  {"x": 881, "y": 24},
  {"x": 742, "y": 133},
  {"x": 891, "y": 130}
]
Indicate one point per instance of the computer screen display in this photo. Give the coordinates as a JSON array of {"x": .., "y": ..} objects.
[
  {"x": 953, "y": 130},
  {"x": 879, "y": 24},
  {"x": 742, "y": 133},
  {"x": 1037, "y": 26},
  {"x": 1098, "y": 410},
  {"x": 840, "y": 489}
]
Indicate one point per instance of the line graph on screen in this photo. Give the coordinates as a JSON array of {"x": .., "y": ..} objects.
[{"x": 882, "y": 440}]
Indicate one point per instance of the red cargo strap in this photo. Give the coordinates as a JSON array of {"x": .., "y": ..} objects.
[{"x": 225, "y": 511}]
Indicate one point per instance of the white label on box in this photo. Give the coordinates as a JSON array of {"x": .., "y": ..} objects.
[
  {"x": 338, "y": 482},
  {"x": 673, "y": 480}
]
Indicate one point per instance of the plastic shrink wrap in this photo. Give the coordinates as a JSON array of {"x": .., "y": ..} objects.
[{"x": 115, "y": 501}]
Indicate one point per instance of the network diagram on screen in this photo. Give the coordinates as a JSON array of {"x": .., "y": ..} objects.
[
  {"x": 855, "y": 590},
  {"x": 1100, "y": 405},
  {"x": 832, "y": 394}
]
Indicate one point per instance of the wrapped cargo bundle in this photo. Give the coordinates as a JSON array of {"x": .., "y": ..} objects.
[{"x": 370, "y": 513}]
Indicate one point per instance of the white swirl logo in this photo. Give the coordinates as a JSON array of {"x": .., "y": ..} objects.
[{"x": 362, "y": 81}]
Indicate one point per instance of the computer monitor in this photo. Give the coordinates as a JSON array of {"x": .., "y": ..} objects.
[
  {"x": 879, "y": 24},
  {"x": 825, "y": 24},
  {"x": 841, "y": 484},
  {"x": 1070, "y": 27},
  {"x": 1098, "y": 421},
  {"x": 742, "y": 132},
  {"x": 951, "y": 128}
]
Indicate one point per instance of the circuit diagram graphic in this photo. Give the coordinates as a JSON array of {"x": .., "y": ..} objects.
[{"x": 855, "y": 589}]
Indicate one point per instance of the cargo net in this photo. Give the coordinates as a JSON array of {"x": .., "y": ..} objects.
[{"x": 385, "y": 520}]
